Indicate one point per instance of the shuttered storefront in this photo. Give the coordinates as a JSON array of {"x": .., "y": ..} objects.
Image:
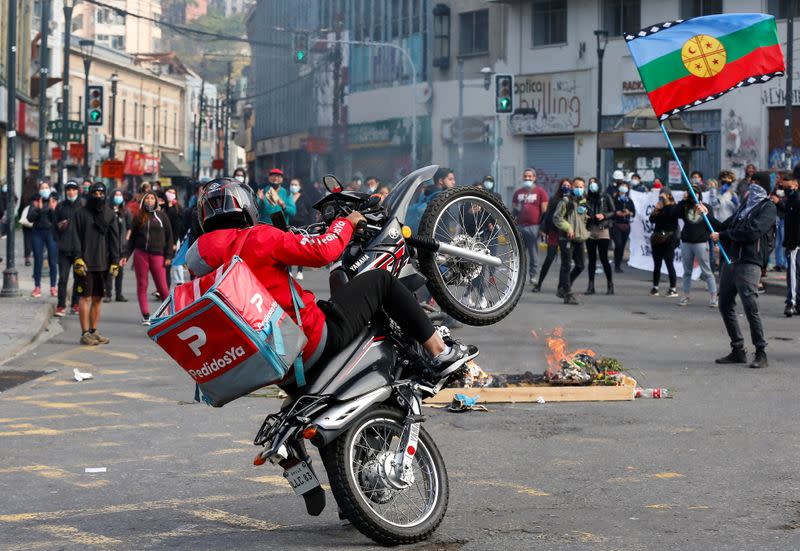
[{"x": 553, "y": 157}]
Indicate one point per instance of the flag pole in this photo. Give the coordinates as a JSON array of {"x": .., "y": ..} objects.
[{"x": 691, "y": 189}]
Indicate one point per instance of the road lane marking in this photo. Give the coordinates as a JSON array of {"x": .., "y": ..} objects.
[
  {"x": 73, "y": 535},
  {"x": 80, "y": 407},
  {"x": 5, "y": 420},
  {"x": 114, "y": 353},
  {"x": 130, "y": 507},
  {"x": 33, "y": 430},
  {"x": 665, "y": 476},
  {"x": 239, "y": 521},
  {"x": 229, "y": 451},
  {"x": 54, "y": 473},
  {"x": 143, "y": 397}
]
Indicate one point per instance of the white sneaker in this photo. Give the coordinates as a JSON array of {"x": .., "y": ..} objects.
[
  {"x": 714, "y": 302},
  {"x": 299, "y": 276},
  {"x": 684, "y": 301}
]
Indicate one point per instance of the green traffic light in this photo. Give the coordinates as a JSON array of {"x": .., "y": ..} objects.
[
  {"x": 94, "y": 115},
  {"x": 301, "y": 55},
  {"x": 504, "y": 103}
]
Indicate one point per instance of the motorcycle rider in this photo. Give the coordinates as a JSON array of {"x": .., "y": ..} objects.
[{"x": 228, "y": 215}]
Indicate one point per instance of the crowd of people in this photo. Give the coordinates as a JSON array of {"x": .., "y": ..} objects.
[{"x": 92, "y": 232}]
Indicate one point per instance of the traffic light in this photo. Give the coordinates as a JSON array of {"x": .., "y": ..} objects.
[
  {"x": 300, "y": 47},
  {"x": 94, "y": 109},
  {"x": 503, "y": 94}
]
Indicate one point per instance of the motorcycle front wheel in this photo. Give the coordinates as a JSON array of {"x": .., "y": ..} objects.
[
  {"x": 360, "y": 464},
  {"x": 473, "y": 219}
]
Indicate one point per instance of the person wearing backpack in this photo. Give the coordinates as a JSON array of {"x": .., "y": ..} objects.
[
  {"x": 547, "y": 229},
  {"x": 570, "y": 219},
  {"x": 601, "y": 213},
  {"x": 746, "y": 237}
]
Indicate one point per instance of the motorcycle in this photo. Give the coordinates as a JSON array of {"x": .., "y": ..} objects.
[{"x": 363, "y": 408}]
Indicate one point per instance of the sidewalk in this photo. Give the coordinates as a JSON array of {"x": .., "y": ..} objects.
[{"x": 23, "y": 318}]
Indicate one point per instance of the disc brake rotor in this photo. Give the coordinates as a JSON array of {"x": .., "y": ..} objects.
[{"x": 459, "y": 271}]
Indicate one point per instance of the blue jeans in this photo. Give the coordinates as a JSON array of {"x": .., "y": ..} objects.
[
  {"x": 530, "y": 235},
  {"x": 780, "y": 255},
  {"x": 41, "y": 240}
]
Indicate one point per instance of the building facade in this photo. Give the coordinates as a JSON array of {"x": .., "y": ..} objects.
[{"x": 118, "y": 32}]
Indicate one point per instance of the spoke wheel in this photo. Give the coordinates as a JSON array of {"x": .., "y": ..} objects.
[
  {"x": 379, "y": 503},
  {"x": 473, "y": 219}
]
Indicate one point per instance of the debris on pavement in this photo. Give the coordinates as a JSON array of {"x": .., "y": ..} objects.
[
  {"x": 462, "y": 403},
  {"x": 93, "y": 470},
  {"x": 81, "y": 376}
]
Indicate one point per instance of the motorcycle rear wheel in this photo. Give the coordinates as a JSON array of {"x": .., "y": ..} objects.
[
  {"x": 358, "y": 486},
  {"x": 466, "y": 290}
]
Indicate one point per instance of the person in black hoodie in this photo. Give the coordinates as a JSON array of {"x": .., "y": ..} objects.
[
  {"x": 664, "y": 240},
  {"x": 65, "y": 212},
  {"x": 747, "y": 238},
  {"x": 42, "y": 214},
  {"x": 601, "y": 213},
  {"x": 151, "y": 243},
  {"x": 305, "y": 214},
  {"x": 96, "y": 236},
  {"x": 790, "y": 205},
  {"x": 123, "y": 220}
]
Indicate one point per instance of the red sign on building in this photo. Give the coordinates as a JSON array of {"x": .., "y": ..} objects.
[
  {"x": 113, "y": 169},
  {"x": 76, "y": 150},
  {"x": 134, "y": 163}
]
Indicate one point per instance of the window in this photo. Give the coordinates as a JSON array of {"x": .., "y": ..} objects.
[
  {"x": 780, "y": 8},
  {"x": 109, "y": 17},
  {"x": 549, "y": 22},
  {"x": 118, "y": 42},
  {"x": 77, "y": 23},
  {"x": 124, "y": 115},
  {"x": 622, "y": 16},
  {"x": 696, "y": 8},
  {"x": 102, "y": 39},
  {"x": 174, "y": 128},
  {"x": 473, "y": 32},
  {"x": 135, "y": 120},
  {"x": 141, "y": 122}
]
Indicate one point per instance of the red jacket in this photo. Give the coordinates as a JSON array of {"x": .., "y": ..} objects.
[{"x": 269, "y": 252}]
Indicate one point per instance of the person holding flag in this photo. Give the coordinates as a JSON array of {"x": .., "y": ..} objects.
[{"x": 683, "y": 64}]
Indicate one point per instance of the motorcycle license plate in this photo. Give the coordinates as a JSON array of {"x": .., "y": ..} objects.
[{"x": 301, "y": 478}]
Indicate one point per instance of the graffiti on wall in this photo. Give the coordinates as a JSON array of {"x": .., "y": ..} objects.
[{"x": 740, "y": 143}]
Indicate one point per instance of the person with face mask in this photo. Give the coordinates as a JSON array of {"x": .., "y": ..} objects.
[
  {"x": 528, "y": 204},
  {"x": 240, "y": 174},
  {"x": 151, "y": 244},
  {"x": 778, "y": 195},
  {"x": 600, "y": 214},
  {"x": 790, "y": 206},
  {"x": 42, "y": 214},
  {"x": 722, "y": 198},
  {"x": 663, "y": 241},
  {"x": 306, "y": 215},
  {"x": 624, "y": 212},
  {"x": 371, "y": 186},
  {"x": 274, "y": 198},
  {"x": 746, "y": 237},
  {"x": 174, "y": 212},
  {"x": 696, "y": 177},
  {"x": 694, "y": 245},
  {"x": 65, "y": 212},
  {"x": 637, "y": 184},
  {"x": 570, "y": 218},
  {"x": 550, "y": 231},
  {"x": 96, "y": 238},
  {"x": 30, "y": 192},
  {"x": 124, "y": 221},
  {"x": 489, "y": 185},
  {"x": 744, "y": 183}
]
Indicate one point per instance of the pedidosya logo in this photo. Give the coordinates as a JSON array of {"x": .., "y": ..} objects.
[{"x": 218, "y": 364}]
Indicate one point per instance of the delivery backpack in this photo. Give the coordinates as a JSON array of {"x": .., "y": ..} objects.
[{"x": 229, "y": 334}]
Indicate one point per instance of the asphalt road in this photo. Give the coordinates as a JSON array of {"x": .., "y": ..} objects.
[{"x": 713, "y": 468}]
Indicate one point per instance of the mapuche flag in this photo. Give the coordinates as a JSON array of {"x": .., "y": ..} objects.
[{"x": 683, "y": 64}]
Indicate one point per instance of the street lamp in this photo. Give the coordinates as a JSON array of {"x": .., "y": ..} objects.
[
  {"x": 112, "y": 148},
  {"x": 65, "y": 92},
  {"x": 602, "y": 42},
  {"x": 87, "y": 48},
  {"x": 10, "y": 279}
]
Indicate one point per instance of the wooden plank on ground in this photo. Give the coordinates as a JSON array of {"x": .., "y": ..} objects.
[{"x": 532, "y": 393}]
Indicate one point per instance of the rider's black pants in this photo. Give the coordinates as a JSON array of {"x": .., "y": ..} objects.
[{"x": 355, "y": 304}]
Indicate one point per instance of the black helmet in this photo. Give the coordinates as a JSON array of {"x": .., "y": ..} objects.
[{"x": 226, "y": 203}]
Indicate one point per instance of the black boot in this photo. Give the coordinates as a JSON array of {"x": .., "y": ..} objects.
[
  {"x": 610, "y": 288},
  {"x": 737, "y": 356},
  {"x": 560, "y": 292},
  {"x": 569, "y": 298},
  {"x": 760, "y": 360},
  {"x": 590, "y": 288}
]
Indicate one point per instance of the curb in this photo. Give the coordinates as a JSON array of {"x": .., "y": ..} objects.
[{"x": 40, "y": 323}]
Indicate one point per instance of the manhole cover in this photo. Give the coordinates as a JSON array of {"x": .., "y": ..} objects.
[{"x": 12, "y": 378}]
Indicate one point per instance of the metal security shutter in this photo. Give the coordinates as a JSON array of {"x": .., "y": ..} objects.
[{"x": 552, "y": 157}]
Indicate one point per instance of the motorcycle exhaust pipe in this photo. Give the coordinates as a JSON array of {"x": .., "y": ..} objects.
[{"x": 435, "y": 246}]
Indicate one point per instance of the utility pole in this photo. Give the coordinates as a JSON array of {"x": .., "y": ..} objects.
[
  {"x": 338, "y": 97},
  {"x": 62, "y": 161},
  {"x": 460, "y": 121},
  {"x": 218, "y": 132},
  {"x": 787, "y": 123},
  {"x": 199, "y": 129},
  {"x": 10, "y": 280},
  {"x": 112, "y": 149},
  {"x": 44, "y": 73},
  {"x": 227, "y": 114}
]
